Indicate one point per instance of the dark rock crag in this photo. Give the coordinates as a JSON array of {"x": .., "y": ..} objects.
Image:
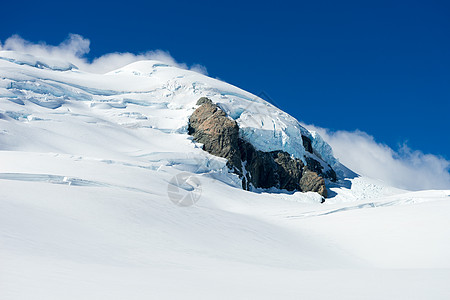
[{"x": 219, "y": 135}]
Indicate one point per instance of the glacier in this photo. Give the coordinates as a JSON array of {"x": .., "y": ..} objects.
[
  {"x": 88, "y": 163},
  {"x": 147, "y": 83}
]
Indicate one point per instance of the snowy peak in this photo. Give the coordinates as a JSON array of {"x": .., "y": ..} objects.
[{"x": 144, "y": 96}]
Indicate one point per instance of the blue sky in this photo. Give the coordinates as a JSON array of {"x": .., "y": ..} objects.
[{"x": 382, "y": 67}]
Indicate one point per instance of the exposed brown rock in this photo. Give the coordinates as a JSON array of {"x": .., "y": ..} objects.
[
  {"x": 289, "y": 170},
  {"x": 315, "y": 166},
  {"x": 312, "y": 182},
  {"x": 220, "y": 136}
]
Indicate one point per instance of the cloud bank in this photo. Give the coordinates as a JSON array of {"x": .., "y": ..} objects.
[
  {"x": 404, "y": 168},
  {"x": 75, "y": 48}
]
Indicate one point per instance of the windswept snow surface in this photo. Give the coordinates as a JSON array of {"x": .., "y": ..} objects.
[{"x": 89, "y": 173}]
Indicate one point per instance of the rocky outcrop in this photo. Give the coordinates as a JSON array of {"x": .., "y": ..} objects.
[
  {"x": 278, "y": 169},
  {"x": 310, "y": 181},
  {"x": 317, "y": 167},
  {"x": 219, "y": 135}
]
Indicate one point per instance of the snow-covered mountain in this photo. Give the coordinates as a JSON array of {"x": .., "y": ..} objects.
[{"x": 93, "y": 165}]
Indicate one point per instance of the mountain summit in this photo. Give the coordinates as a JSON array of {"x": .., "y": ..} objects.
[
  {"x": 152, "y": 181},
  {"x": 148, "y": 96}
]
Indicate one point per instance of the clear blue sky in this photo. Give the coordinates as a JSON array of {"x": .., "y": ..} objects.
[{"x": 379, "y": 66}]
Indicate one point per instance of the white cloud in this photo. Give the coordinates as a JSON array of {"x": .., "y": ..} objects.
[
  {"x": 199, "y": 69},
  {"x": 75, "y": 48},
  {"x": 404, "y": 168}
]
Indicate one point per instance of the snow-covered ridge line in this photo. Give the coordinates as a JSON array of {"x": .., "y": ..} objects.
[
  {"x": 261, "y": 123},
  {"x": 37, "y": 62},
  {"x": 155, "y": 85}
]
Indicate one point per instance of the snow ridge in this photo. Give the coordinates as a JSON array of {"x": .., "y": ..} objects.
[{"x": 154, "y": 84}]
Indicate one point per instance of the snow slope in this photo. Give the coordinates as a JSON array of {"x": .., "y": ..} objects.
[{"x": 89, "y": 168}]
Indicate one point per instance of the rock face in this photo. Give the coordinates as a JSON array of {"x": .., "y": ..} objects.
[
  {"x": 219, "y": 135},
  {"x": 310, "y": 181}
]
